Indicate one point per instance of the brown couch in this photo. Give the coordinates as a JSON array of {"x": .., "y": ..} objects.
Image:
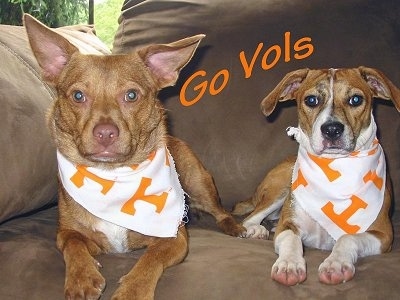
[{"x": 222, "y": 122}]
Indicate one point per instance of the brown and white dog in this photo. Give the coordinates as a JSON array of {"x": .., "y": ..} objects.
[
  {"x": 118, "y": 168},
  {"x": 335, "y": 194}
]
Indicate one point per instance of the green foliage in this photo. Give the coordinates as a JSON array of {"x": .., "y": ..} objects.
[
  {"x": 53, "y": 13},
  {"x": 106, "y": 15},
  {"x": 56, "y": 13}
]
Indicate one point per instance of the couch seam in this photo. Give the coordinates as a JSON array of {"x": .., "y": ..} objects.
[{"x": 30, "y": 68}]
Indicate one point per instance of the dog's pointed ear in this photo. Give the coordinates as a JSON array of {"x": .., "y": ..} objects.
[
  {"x": 52, "y": 51},
  {"x": 381, "y": 86},
  {"x": 166, "y": 61},
  {"x": 284, "y": 90}
]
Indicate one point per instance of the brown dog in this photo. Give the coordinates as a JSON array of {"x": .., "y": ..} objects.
[
  {"x": 333, "y": 195},
  {"x": 109, "y": 129}
]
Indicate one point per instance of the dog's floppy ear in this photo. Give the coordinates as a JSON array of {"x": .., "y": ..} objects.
[
  {"x": 52, "y": 51},
  {"x": 166, "y": 61},
  {"x": 381, "y": 86},
  {"x": 284, "y": 90}
]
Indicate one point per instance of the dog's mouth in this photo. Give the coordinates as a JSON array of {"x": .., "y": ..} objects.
[
  {"x": 335, "y": 151},
  {"x": 337, "y": 147},
  {"x": 106, "y": 156}
]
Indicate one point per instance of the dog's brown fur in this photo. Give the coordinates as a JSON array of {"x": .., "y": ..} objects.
[
  {"x": 136, "y": 129},
  {"x": 273, "y": 198}
]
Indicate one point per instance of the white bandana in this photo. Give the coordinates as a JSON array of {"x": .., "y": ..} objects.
[
  {"x": 344, "y": 195},
  {"x": 146, "y": 198}
]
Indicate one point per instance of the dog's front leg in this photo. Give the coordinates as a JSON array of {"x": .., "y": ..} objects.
[
  {"x": 83, "y": 279},
  {"x": 339, "y": 267},
  {"x": 290, "y": 267},
  {"x": 199, "y": 184},
  {"x": 140, "y": 283}
]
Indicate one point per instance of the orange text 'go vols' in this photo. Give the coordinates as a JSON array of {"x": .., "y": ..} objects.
[{"x": 267, "y": 58}]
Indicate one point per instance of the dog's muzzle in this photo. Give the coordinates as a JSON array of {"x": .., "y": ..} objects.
[
  {"x": 105, "y": 134},
  {"x": 332, "y": 130}
]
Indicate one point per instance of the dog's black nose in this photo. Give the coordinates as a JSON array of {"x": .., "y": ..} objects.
[
  {"x": 106, "y": 133},
  {"x": 332, "y": 130}
]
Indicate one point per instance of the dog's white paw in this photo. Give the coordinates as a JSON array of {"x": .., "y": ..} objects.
[
  {"x": 257, "y": 231},
  {"x": 289, "y": 270},
  {"x": 335, "y": 271}
]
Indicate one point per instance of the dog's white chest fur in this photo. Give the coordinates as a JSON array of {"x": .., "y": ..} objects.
[
  {"x": 345, "y": 194},
  {"x": 116, "y": 235},
  {"x": 312, "y": 234}
]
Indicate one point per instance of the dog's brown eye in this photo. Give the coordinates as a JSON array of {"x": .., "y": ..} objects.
[
  {"x": 311, "y": 101},
  {"x": 79, "y": 96},
  {"x": 131, "y": 96},
  {"x": 355, "y": 100}
]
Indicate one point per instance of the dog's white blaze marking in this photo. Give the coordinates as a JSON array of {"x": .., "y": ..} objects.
[
  {"x": 326, "y": 114},
  {"x": 331, "y": 83},
  {"x": 116, "y": 235},
  {"x": 317, "y": 138}
]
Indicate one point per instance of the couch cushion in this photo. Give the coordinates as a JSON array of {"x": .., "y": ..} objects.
[
  {"x": 218, "y": 267},
  {"x": 225, "y": 126},
  {"x": 28, "y": 161}
]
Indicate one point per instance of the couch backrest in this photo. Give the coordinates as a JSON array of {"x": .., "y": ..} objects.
[
  {"x": 249, "y": 47},
  {"x": 28, "y": 180}
]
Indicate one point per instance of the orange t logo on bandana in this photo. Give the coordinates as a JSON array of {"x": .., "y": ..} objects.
[
  {"x": 146, "y": 198},
  {"x": 344, "y": 195}
]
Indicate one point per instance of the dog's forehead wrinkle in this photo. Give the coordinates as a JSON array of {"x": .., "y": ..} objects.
[{"x": 111, "y": 66}]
